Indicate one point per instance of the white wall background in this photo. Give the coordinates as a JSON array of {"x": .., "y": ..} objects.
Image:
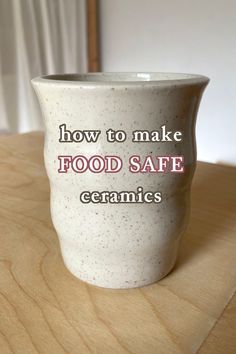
[{"x": 181, "y": 36}]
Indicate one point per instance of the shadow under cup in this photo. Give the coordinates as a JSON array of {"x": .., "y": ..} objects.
[{"x": 110, "y": 242}]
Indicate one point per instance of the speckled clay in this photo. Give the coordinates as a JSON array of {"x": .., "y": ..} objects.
[{"x": 120, "y": 245}]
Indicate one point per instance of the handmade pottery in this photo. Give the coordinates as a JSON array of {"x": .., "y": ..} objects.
[{"x": 109, "y": 244}]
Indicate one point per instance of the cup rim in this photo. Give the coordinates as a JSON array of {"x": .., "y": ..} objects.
[{"x": 122, "y": 79}]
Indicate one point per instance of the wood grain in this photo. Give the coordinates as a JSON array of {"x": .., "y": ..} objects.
[
  {"x": 93, "y": 35},
  {"x": 45, "y": 309},
  {"x": 222, "y": 338}
]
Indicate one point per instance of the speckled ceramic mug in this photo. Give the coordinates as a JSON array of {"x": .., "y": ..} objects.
[{"x": 120, "y": 245}]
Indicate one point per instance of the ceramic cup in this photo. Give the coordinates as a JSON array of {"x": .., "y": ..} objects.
[{"x": 119, "y": 245}]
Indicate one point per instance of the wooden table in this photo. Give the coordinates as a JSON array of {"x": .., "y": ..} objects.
[{"x": 45, "y": 309}]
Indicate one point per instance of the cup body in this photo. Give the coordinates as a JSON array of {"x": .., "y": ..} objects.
[{"x": 120, "y": 245}]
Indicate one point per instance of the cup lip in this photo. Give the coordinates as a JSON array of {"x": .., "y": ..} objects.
[{"x": 122, "y": 79}]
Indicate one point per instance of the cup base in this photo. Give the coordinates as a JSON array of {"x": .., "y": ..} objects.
[{"x": 118, "y": 285}]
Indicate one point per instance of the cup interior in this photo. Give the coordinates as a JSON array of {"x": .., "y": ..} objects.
[{"x": 125, "y": 77}]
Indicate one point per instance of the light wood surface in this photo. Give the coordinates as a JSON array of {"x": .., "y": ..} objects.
[
  {"x": 45, "y": 309},
  {"x": 222, "y": 338}
]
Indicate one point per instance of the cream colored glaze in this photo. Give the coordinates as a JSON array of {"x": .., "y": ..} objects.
[{"x": 120, "y": 245}]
